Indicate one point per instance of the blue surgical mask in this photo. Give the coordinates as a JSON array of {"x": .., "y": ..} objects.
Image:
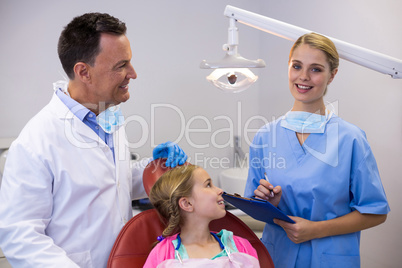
[
  {"x": 110, "y": 119},
  {"x": 304, "y": 122}
]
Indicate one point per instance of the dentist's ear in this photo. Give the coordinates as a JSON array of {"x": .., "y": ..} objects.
[
  {"x": 81, "y": 71},
  {"x": 185, "y": 204}
]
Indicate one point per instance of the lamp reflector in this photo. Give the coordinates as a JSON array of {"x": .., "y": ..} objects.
[{"x": 232, "y": 80}]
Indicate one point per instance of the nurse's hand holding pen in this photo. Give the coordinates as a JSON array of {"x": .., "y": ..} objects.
[
  {"x": 267, "y": 191},
  {"x": 301, "y": 231}
]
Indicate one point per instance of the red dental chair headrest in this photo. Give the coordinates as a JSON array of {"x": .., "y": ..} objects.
[{"x": 153, "y": 171}]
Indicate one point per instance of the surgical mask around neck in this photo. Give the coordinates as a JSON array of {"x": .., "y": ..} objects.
[
  {"x": 61, "y": 85},
  {"x": 304, "y": 122},
  {"x": 110, "y": 119}
]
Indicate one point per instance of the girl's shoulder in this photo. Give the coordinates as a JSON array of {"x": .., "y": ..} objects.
[{"x": 162, "y": 251}]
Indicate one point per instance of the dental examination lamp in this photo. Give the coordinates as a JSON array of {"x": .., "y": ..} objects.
[{"x": 231, "y": 74}]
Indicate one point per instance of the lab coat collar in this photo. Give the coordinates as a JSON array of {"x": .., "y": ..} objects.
[{"x": 73, "y": 124}]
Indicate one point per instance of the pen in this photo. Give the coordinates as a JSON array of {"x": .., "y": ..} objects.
[{"x": 271, "y": 192}]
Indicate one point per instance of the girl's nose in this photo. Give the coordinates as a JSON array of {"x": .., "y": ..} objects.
[{"x": 220, "y": 191}]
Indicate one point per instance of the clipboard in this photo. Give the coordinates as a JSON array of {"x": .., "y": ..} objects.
[{"x": 257, "y": 208}]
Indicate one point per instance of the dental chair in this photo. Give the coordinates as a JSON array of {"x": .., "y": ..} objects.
[{"x": 137, "y": 237}]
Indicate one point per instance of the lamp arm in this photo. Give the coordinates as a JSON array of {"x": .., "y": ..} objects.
[
  {"x": 233, "y": 38},
  {"x": 356, "y": 54}
]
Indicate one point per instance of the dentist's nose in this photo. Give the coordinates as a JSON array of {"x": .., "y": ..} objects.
[{"x": 131, "y": 73}]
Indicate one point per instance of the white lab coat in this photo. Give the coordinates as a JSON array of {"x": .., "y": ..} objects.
[{"x": 63, "y": 200}]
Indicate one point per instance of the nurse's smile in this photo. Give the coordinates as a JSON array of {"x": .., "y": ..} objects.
[{"x": 302, "y": 88}]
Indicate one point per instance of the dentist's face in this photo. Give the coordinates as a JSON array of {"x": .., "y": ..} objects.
[
  {"x": 112, "y": 71},
  {"x": 309, "y": 75}
]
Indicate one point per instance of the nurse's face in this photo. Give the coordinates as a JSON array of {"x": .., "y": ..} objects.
[
  {"x": 309, "y": 75},
  {"x": 112, "y": 71},
  {"x": 207, "y": 199}
]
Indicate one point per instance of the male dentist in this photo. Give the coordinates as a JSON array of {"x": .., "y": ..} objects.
[{"x": 68, "y": 185}]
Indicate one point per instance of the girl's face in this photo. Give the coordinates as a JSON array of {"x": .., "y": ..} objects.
[
  {"x": 206, "y": 198},
  {"x": 309, "y": 76}
]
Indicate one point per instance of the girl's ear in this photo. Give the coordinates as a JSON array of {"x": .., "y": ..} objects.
[{"x": 185, "y": 204}]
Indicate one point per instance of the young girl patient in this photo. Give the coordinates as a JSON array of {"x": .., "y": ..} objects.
[{"x": 186, "y": 197}]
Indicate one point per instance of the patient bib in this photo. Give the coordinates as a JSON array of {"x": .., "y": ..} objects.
[
  {"x": 234, "y": 260},
  {"x": 228, "y": 258}
]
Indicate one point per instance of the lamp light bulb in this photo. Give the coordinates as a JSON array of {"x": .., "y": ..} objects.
[{"x": 232, "y": 79}]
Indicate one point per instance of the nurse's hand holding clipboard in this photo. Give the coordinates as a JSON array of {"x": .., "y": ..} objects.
[
  {"x": 267, "y": 191},
  {"x": 301, "y": 231},
  {"x": 298, "y": 232}
]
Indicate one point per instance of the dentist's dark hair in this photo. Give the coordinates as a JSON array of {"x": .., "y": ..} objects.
[{"x": 80, "y": 39}]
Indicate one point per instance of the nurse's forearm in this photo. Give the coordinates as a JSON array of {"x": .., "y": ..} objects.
[{"x": 349, "y": 223}]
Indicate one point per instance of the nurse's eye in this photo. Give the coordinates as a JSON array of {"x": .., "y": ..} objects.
[
  {"x": 316, "y": 70},
  {"x": 296, "y": 66}
]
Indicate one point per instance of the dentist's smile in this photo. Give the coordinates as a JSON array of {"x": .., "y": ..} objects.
[{"x": 125, "y": 87}]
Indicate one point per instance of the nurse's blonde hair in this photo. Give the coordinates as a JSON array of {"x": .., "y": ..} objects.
[
  {"x": 318, "y": 41},
  {"x": 166, "y": 193}
]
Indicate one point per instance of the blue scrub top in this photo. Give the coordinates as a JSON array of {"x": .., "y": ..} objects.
[{"x": 330, "y": 175}]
